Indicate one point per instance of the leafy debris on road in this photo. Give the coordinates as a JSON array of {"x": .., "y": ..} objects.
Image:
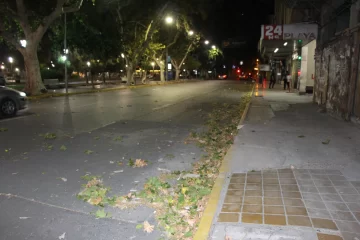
[
  {"x": 95, "y": 193},
  {"x": 89, "y": 152},
  {"x": 180, "y": 207},
  {"x": 3, "y": 129},
  {"x": 301, "y": 136},
  {"x": 326, "y": 142},
  {"x": 48, "y": 135},
  {"x": 63, "y": 148},
  {"x": 131, "y": 163},
  {"x": 118, "y": 139},
  {"x": 100, "y": 213},
  {"x": 23, "y": 218},
  {"x": 139, "y": 163},
  {"x": 96, "y": 138},
  {"x": 63, "y": 179},
  {"x": 148, "y": 227}
]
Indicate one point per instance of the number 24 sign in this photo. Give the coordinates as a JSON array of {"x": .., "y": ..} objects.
[{"x": 270, "y": 32}]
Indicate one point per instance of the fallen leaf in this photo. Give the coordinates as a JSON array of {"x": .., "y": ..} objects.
[
  {"x": 140, "y": 163},
  {"x": 301, "y": 136},
  {"x": 88, "y": 152},
  {"x": 64, "y": 179},
  {"x": 62, "y": 236},
  {"x": 118, "y": 171},
  {"x": 3, "y": 129},
  {"x": 95, "y": 201},
  {"x": 63, "y": 148},
  {"x": 326, "y": 142},
  {"x": 24, "y": 218},
  {"x": 148, "y": 227}
]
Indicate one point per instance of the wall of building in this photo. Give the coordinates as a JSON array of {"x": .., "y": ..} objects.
[
  {"x": 307, "y": 66},
  {"x": 333, "y": 74}
]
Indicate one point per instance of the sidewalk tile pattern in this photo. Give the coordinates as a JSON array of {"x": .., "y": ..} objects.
[{"x": 313, "y": 198}]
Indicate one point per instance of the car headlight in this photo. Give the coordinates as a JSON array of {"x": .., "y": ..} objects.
[{"x": 22, "y": 94}]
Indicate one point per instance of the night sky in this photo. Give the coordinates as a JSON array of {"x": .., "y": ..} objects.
[{"x": 238, "y": 19}]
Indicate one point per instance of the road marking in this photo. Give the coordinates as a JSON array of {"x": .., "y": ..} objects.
[
  {"x": 208, "y": 216},
  {"x": 161, "y": 107}
]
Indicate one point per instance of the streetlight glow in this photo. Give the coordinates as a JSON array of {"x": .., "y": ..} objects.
[
  {"x": 2, "y": 67},
  {"x": 23, "y": 43},
  {"x": 63, "y": 58},
  {"x": 213, "y": 47},
  {"x": 207, "y": 42},
  {"x": 191, "y": 33},
  {"x": 17, "y": 70},
  {"x": 152, "y": 64},
  {"x": 275, "y": 51},
  {"x": 122, "y": 55},
  {"x": 11, "y": 60},
  {"x": 169, "y": 20},
  {"x": 285, "y": 43},
  {"x": 88, "y": 64}
]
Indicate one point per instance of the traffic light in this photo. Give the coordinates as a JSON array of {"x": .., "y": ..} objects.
[{"x": 238, "y": 71}]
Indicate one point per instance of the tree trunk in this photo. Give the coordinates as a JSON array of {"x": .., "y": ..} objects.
[
  {"x": 92, "y": 80},
  {"x": 34, "y": 84},
  {"x": 177, "y": 73},
  {"x": 143, "y": 78},
  {"x": 162, "y": 71},
  {"x": 129, "y": 74},
  {"x": 103, "y": 75}
]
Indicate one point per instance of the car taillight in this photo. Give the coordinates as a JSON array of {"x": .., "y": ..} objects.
[{"x": 224, "y": 76}]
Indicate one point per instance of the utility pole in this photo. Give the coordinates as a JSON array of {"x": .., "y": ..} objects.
[
  {"x": 166, "y": 64},
  {"x": 66, "y": 52}
]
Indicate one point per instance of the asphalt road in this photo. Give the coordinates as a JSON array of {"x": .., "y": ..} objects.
[{"x": 39, "y": 183}]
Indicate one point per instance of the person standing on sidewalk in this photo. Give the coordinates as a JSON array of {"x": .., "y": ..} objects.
[
  {"x": 288, "y": 80},
  {"x": 272, "y": 80},
  {"x": 260, "y": 80}
]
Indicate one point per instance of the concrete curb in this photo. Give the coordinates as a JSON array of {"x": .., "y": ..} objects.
[{"x": 207, "y": 218}]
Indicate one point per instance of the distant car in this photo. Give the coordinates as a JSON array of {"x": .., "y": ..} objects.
[
  {"x": 222, "y": 76},
  {"x": 11, "y": 101}
]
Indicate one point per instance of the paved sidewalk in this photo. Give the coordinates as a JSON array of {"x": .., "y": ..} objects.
[{"x": 295, "y": 174}]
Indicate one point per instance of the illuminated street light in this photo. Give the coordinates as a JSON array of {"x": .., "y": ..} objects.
[
  {"x": 88, "y": 64},
  {"x": 63, "y": 58},
  {"x": 2, "y": 67},
  {"x": 17, "y": 69},
  {"x": 206, "y": 42},
  {"x": 169, "y": 20},
  {"x": 153, "y": 65},
  {"x": 276, "y": 50},
  {"x": 257, "y": 60},
  {"x": 213, "y": 47},
  {"x": 285, "y": 43},
  {"x": 122, "y": 55},
  {"x": 11, "y": 60},
  {"x": 191, "y": 33},
  {"x": 23, "y": 43}
]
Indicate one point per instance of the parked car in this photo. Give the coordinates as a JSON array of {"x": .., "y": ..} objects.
[
  {"x": 222, "y": 76},
  {"x": 11, "y": 101},
  {"x": 2, "y": 81}
]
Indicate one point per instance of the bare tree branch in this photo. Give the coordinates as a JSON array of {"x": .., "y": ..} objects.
[
  {"x": 23, "y": 18},
  {"x": 10, "y": 38},
  {"x": 49, "y": 19}
]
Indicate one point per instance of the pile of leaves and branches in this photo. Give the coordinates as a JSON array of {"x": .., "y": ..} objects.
[
  {"x": 179, "y": 198},
  {"x": 179, "y": 206}
]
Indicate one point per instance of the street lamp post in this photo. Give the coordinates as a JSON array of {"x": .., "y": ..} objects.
[
  {"x": 65, "y": 51},
  {"x": 169, "y": 20}
]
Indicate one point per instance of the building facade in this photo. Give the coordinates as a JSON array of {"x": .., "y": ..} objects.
[{"x": 329, "y": 65}]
